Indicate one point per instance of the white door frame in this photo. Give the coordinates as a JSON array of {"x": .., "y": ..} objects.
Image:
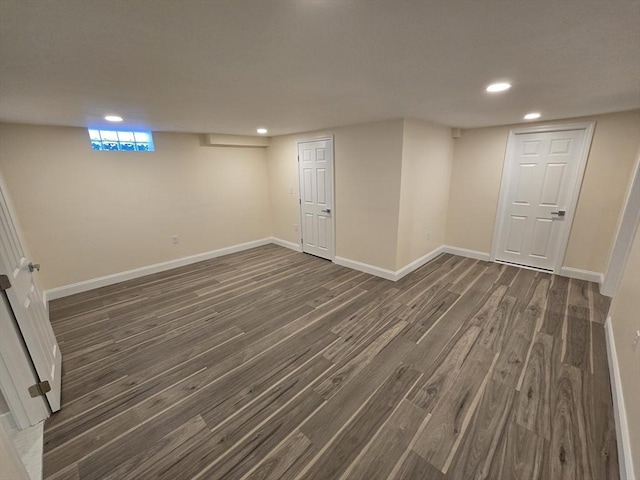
[
  {"x": 329, "y": 138},
  {"x": 624, "y": 238},
  {"x": 499, "y": 223}
]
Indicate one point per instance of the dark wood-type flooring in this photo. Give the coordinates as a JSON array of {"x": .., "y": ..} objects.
[{"x": 271, "y": 364}]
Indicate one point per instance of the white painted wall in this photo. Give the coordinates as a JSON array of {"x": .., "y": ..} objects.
[
  {"x": 427, "y": 157},
  {"x": 86, "y": 214},
  {"x": 475, "y": 186}
]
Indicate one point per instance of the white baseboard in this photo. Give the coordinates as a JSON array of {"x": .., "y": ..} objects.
[
  {"x": 464, "y": 252},
  {"x": 383, "y": 272},
  {"x": 619, "y": 410},
  {"x": 366, "y": 268},
  {"x": 284, "y": 243},
  {"x": 87, "y": 285},
  {"x": 416, "y": 264},
  {"x": 587, "y": 275}
]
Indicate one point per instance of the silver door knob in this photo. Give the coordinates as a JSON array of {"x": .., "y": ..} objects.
[
  {"x": 560, "y": 213},
  {"x": 328, "y": 210},
  {"x": 33, "y": 267}
]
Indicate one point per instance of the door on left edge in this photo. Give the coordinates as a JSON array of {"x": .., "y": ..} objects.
[{"x": 27, "y": 305}]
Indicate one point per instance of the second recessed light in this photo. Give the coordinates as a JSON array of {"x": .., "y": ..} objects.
[
  {"x": 532, "y": 116},
  {"x": 498, "y": 87},
  {"x": 262, "y": 131},
  {"x": 113, "y": 118}
]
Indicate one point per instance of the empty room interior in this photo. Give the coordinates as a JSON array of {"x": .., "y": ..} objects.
[{"x": 319, "y": 239}]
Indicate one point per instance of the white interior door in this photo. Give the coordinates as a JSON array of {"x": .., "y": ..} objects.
[
  {"x": 27, "y": 306},
  {"x": 17, "y": 373},
  {"x": 315, "y": 169},
  {"x": 542, "y": 176}
]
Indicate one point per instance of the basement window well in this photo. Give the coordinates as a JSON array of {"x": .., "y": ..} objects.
[{"x": 121, "y": 141}]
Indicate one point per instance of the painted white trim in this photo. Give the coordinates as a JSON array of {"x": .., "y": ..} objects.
[
  {"x": 625, "y": 458},
  {"x": 589, "y": 276},
  {"x": 464, "y": 252},
  {"x": 589, "y": 128},
  {"x": 416, "y": 264},
  {"x": 87, "y": 285},
  {"x": 286, "y": 244},
  {"x": 366, "y": 268},
  {"x": 627, "y": 227},
  {"x": 389, "y": 274}
]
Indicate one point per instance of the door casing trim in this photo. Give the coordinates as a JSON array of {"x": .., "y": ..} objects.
[{"x": 589, "y": 128}]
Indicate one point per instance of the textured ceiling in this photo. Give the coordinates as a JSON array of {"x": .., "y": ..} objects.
[{"x": 298, "y": 65}]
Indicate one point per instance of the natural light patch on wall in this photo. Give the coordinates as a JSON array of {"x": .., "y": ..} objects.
[{"x": 117, "y": 140}]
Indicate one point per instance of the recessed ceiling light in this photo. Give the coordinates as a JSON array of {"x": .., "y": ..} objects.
[
  {"x": 262, "y": 131},
  {"x": 113, "y": 118},
  {"x": 498, "y": 87},
  {"x": 532, "y": 116}
]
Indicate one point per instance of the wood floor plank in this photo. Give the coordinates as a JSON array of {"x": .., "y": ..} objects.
[
  {"x": 391, "y": 441},
  {"x": 451, "y": 415},
  {"x": 600, "y": 430},
  {"x": 344, "y": 449},
  {"x": 478, "y": 446},
  {"x": 512, "y": 358},
  {"x": 497, "y": 325},
  {"x": 280, "y": 459},
  {"x": 568, "y": 455},
  {"x": 600, "y": 304},
  {"x": 556, "y": 306},
  {"x": 254, "y": 447},
  {"x": 533, "y": 409},
  {"x": 578, "y": 338},
  {"x": 326, "y": 423},
  {"x": 244, "y": 421},
  {"x": 353, "y": 367},
  {"x": 462, "y": 283},
  {"x": 520, "y": 455},
  {"x": 270, "y": 363},
  {"x": 427, "y": 316},
  {"x": 414, "y": 467},
  {"x": 578, "y": 293},
  {"x": 429, "y": 390},
  {"x": 163, "y": 453}
]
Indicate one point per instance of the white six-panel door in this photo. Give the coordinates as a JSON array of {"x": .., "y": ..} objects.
[
  {"x": 28, "y": 307},
  {"x": 315, "y": 170},
  {"x": 543, "y": 172}
]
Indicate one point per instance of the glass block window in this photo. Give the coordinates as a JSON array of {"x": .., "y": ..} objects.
[{"x": 119, "y": 141}]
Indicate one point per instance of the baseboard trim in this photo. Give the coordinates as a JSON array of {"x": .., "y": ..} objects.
[
  {"x": 578, "y": 274},
  {"x": 366, "y": 268},
  {"x": 385, "y": 273},
  {"x": 619, "y": 410},
  {"x": 407, "y": 269},
  {"x": 87, "y": 285},
  {"x": 286, "y": 244},
  {"x": 464, "y": 252}
]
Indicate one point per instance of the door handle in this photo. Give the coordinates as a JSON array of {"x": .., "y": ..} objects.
[
  {"x": 33, "y": 267},
  {"x": 328, "y": 210},
  {"x": 559, "y": 213}
]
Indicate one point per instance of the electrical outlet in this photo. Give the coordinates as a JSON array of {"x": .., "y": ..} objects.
[
  {"x": 636, "y": 341},
  {"x": 175, "y": 239},
  {"x": 295, "y": 227}
]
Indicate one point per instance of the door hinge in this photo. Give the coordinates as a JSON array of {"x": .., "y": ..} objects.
[
  {"x": 298, "y": 157},
  {"x": 301, "y": 241},
  {"x": 300, "y": 201},
  {"x": 39, "y": 389},
  {"x": 5, "y": 284}
]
